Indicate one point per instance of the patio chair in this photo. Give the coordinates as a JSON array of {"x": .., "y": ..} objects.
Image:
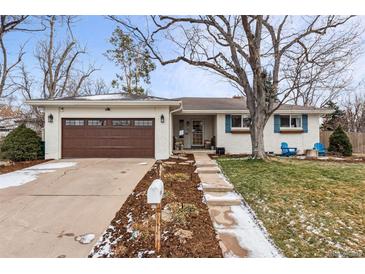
[
  {"x": 288, "y": 151},
  {"x": 322, "y": 151}
]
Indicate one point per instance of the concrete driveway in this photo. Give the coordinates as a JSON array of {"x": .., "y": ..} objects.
[{"x": 42, "y": 218}]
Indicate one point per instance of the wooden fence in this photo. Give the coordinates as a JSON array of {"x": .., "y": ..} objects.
[{"x": 357, "y": 140}]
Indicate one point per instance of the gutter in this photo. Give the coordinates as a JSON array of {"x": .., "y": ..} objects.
[
  {"x": 171, "y": 125},
  {"x": 100, "y": 103}
]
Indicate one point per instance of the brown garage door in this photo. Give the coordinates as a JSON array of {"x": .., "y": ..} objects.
[{"x": 108, "y": 138}]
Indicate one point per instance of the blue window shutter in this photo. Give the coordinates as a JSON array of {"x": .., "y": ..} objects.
[
  {"x": 305, "y": 122},
  {"x": 228, "y": 123},
  {"x": 276, "y": 123}
]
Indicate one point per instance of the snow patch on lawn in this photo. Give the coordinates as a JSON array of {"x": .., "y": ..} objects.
[{"x": 23, "y": 176}]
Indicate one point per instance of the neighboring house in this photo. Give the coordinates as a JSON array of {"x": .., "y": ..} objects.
[
  {"x": 8, "y": 120},
  {"x": 123, "y": 125}
]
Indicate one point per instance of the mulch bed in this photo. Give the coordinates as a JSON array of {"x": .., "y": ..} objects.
[
  {"x": 131, "y": 233},
  {"x": 14, "y": 166}
]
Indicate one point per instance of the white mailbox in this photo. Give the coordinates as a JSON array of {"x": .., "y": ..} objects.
[{"x": 155, "y": 192}]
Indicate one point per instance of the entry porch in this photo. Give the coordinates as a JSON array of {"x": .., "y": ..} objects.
[{"x": 196, "y": 132}]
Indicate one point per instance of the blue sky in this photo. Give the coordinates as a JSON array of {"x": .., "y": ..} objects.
[{"x": 175, "y": 80}]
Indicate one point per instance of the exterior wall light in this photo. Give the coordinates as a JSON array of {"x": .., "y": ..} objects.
[
  {"x": 162, "y": 119},
  {"x": 50, "y": 118}
]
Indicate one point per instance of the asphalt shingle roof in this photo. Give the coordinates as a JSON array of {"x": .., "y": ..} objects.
[
  {"x": 188, "y": 103},
  {"x": 201, "y": 103}
]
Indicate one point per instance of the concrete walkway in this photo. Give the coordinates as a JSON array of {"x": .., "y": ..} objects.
[
  {"x": 238, "y": 232},
  {"x": 42, "y": 218}
]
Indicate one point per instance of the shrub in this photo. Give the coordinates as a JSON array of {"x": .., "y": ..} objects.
[
  {"x": 22, "y": 144},
  {"x": 340, "y": 142},
  {"x": 176, "y": 178}
]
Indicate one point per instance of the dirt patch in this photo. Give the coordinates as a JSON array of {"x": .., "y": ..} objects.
[
  {"x": 14, "y": 166},
  {"x": 186, "y": 232}
]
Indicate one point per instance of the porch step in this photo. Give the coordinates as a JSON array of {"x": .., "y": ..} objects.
[
  {"x": 205, "y": 164},
  {"x": 222, "y": 198},
  {"x": 217, "y": 187},
  {"x": 207, "y": 170}
]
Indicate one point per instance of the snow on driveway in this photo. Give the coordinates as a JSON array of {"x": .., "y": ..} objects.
[{"x": 26, "y": 175}]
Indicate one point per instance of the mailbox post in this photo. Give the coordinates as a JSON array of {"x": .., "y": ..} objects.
[{"x": 154, "y": 196}]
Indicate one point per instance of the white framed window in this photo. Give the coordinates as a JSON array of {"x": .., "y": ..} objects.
[
  {"x": 143, "y": 123},
  {"x": 241, "y": 121},
  {"x": 74, "y": 122},
  {"x": 121, "y": 123},
  {"x": 291, "y": 121},
  {"x": 97, "y": 123}
]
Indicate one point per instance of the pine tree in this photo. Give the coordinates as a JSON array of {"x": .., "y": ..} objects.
[{"x": 340, "y": 142}]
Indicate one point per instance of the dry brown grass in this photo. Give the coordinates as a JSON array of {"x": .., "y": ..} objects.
[{"x": 310, "y": 208}]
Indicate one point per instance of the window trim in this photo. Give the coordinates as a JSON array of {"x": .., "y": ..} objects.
[
  {"x": 129, "y": 124},
  {"x": 103, "y": 122},
  {"x": 289, "y": 128},
  {"x": 146, "y": 123},
  {"x": 241, "y": 127},
  {"x": 67, "y": 124}
]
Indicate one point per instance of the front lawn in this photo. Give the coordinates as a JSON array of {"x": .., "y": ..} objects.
[{"x": 310, "y": 208}]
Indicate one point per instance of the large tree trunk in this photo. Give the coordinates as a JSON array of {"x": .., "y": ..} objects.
[{"x": 257, "y": 136}]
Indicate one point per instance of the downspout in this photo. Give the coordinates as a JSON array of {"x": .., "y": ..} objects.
[{"x": 180, "y": 108}]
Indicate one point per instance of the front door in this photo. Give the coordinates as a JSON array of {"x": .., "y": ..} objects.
[{"x": 197, "y": 132}]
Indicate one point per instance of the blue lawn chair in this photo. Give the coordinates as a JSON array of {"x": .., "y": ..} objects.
[
  {"x": 320, "y": 148},
  {"x": 288, "y": 151}
]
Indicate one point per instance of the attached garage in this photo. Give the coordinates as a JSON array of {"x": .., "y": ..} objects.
[
  {"x": 118, "y": 125},
  {"x": 108, "y": 138}
]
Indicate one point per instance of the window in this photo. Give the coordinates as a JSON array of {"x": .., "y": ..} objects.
[
  {"x": 96, "y": 122},
  {"x": 296, "y": 121},
  {"x": 74, "y": 122},
  {"x": 121, "y": 123},
  {"x": 290, "y": 121},
  {"x": 236, "y": 121},
  {"x": 241, "y": 121},
  {"x": 285, "y": 121},
  {"x": 143, "y": 123}
]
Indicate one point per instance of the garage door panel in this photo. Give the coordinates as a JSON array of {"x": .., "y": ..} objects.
[{"x": 92, "y": 138}]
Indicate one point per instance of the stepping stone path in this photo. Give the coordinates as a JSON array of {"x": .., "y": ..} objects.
[{"x": 239, "y": 235}]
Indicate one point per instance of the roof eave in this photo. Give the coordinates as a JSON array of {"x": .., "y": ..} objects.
[
  {"x": 44, "y": 103},
  {"x": 279, "y": 111}
]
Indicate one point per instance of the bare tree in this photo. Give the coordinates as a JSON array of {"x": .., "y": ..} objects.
[
  {"x": 25, "y": 84},
  {"x": 318, "y": 80},
  {"x": 95, "y": 87},
  {"x": 58, "y": 61},
  {"x": 258, "y": 54},
  {"x": 354, "y": 112},
  {"x": 10, "y": 24}
]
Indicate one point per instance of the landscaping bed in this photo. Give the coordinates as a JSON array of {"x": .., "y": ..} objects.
[
  {"x": 186, "y": 227},
  {"x": 309, "y": 208},
  {"x": 14, "y": 166}
]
